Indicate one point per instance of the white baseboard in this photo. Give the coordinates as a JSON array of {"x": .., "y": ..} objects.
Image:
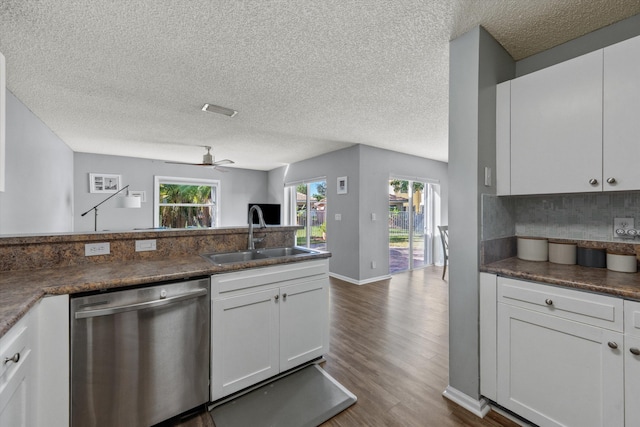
[
  {"x": 360, "y": 282},
  {"x": 479, "y": 408}
]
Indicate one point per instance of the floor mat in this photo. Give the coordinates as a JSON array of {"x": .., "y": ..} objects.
[{"x": 304, "y": 398}]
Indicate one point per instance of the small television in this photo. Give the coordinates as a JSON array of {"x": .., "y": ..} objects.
[{"x": 270, "y": 213}]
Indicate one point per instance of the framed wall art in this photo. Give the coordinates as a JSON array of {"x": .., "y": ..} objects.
[
  {"x": 104, "y": 183},
  {"x": 342, "y": 185}
]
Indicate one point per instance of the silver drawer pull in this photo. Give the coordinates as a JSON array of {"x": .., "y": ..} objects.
[
  {"x": 635, "y": 351},
  {"x": 14, "y": 359},
  {"x": 548, "y": 301},
  {"x": 612, "y": 344}
]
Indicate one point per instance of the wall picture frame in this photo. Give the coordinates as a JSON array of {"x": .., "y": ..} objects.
[
  {"x": 342, "y": 185},
  {"x": 104, "y": 183}
]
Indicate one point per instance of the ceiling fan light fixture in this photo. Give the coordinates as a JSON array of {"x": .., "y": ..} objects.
[{"x": 220, "y": 110}]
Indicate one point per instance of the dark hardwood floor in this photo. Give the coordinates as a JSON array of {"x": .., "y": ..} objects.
[{"x": 389, "y": 346}]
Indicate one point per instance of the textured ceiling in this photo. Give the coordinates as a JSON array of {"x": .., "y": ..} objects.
[{"x": 307, "y": 77}]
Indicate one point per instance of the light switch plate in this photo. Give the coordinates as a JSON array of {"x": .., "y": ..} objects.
[{"x": 338, "y": 217}]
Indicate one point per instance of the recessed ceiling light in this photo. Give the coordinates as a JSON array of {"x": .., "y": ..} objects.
[{"x": 220, "y": 110}]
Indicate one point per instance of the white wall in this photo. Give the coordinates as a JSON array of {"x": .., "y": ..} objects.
[
  {"x": 355, "y": 241},
  {"x": 38, "y": 197},
  {"x": 239, "y": 187}
]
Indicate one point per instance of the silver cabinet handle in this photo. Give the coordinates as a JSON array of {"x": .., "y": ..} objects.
[
  {"x": 635, "y": 351},
  {"x": 611, "y": 180},
  {"x": 196, "y": 293},
  {"x": 612, "y": 344},
  {"x": 14, "y": 359},
  {"x": 548, "y": 301},
  {"x": 593, "y": 181},
  {"x": 277, "y": 297},
  {"x": 284, "y": 297}
]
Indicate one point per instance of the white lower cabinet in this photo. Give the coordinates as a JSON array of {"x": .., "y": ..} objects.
[
  {"x": 16, "y": 377},
  {"x": 557, "y": 372},
  {"x": 632, "y": 363},
  {"x": 266, "y": 321},
  {"x": 34, "y": 367},
  {"x": 560, "y": 355}
]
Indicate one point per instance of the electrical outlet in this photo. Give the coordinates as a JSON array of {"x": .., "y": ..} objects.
[
  {"x": 621, "y": 225},
  {"x": 373, "y": 264},
  {"x": 145, "y": 245},
  {"x": 93, "y": 249}
]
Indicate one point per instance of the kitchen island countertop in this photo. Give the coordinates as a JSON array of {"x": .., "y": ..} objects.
[
  {"x": 599, "y": 280},
  {"x": 22, "y": 289}
]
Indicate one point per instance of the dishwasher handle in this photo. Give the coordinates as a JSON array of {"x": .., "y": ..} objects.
[{"x": 196, "y": 293}]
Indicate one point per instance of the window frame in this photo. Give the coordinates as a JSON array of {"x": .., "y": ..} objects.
[{"x": 213, "y": 183}]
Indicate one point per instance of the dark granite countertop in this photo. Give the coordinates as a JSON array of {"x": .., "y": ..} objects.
[
  {"x": 22, "y": 289},
  {"x": 599, "y": 280}
]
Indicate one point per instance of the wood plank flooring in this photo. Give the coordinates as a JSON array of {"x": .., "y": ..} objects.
[{"x": 389, "y": 346}]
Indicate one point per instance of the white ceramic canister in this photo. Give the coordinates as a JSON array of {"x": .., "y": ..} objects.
[
  {"x": 533, "y": 248},
  {"x": 623, "y": 263},
  {"x": 562, "y": 253}
]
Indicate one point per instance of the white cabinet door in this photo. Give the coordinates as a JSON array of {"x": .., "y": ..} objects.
[
  {"x": 621, "y": 121},
  {"x": 304, "y": 322},
  {"x": 632, "y": 380},
  {"x": 556, "y": 128},
  {"x": 244, "y": 342},
  {"x": 13, "y": 401},
  {"x": 557, "y": 372},
  {"x": 16, "y": 394}
]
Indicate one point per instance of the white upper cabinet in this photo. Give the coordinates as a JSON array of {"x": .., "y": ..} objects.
[
  {"x": 622, "y": 115},
  {"x": 556, "y": 128},
  {"x": 572, "y": 127}
]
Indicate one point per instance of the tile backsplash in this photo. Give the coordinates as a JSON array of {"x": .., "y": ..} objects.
[{"x": 563, "y": 216}]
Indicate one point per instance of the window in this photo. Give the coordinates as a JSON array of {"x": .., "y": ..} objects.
[{"x": 186, "y": 202}]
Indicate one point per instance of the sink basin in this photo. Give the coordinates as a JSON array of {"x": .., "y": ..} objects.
[
  {"x": 280, "y": 252},
  {"x": 257, "y": 254},
  {"x": 233, "y": 257}
]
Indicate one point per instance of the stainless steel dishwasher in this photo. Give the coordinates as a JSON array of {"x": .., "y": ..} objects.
[{"x": 139, "y": 356}]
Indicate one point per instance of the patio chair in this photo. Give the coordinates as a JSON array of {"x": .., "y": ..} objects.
[{"x": 444, "y": 237}]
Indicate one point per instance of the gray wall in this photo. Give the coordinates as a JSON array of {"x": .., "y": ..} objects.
[
  {"x": 238, "y": 188},
  {"x": 342, "y": 236},
  {"x": 357, "y": 240},
  {"x": 477, "y": 64},
  {"x": 39, "y": 176}
]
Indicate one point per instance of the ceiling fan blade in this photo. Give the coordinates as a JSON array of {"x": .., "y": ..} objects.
[
  {"x": 190, "y": 164},
  {"x": 207, "y": 161},
  {"x": 223, "y": 162}
]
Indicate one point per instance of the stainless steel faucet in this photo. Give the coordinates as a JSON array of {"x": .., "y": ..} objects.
[{"x": 252, "y": 240}]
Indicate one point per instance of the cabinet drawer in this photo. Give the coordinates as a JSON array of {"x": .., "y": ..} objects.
[
  {"x": 632, "y": 318},
  {"x": 274, "y": 276},
  {"x": 596, "y": 310}
]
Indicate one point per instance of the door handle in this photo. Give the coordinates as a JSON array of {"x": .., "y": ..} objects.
[{"x": 196, "y": 293}]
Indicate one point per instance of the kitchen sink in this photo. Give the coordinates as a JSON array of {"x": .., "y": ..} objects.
[
  {"x": 278, "y": 252},
  {"x": 221, "y": 258}
]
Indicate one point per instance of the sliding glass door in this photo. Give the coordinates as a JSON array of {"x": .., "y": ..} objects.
[
  {"x": 308, "y": 207},
  {"x": 411, "y": 224}
]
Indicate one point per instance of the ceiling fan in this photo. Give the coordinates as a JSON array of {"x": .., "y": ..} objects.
[{"x": 208, "y": 161}]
